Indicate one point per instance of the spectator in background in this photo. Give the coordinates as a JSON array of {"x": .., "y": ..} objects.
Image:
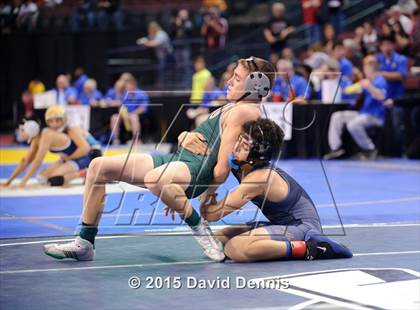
[
  {"x": 278, "y": 29},
  {"x": 110, "y": 11},
  {"x": 134, "y": 104},
  {"x": 84, "y": 13},
  {"x": 331, "y": 79},
  {"x": 394, "y": 68},
  {"x": 316, "y": 56},
  {"x": 369, "y": 39},
  {"x": 288, "y": 85},
  {"x": 219, "y": 4},
  {"x": 226, "y": 77},
  {"x": 214, "y": 29},
  {"x": 199, "y": 80},
  {"x": 402, "y": 41},
  {"x": 90, "y": 95},
  {"x": 335, "y": 13},
  {"x": 7, "y": 17},
  {"x": 213, "y": 96},
  {"x": 396, "y": 16},
  {"x": 288, "y": 54},
  {"x": 115, "y": 95},
  {"x": 372, "y": 114},
  {"x": 329, "y": 38},
  {"x": 65, "y": 93},
  {"x": 79, "y": 79},
  {"x": 353, "y": 52},
  {"x": 181, "y": 31},
  {"x": 126, "y": 76},
  {"x": 27, "y": 16},
  {"x": 159, "y": 40},
  {"x": 310, "y": 10},
  {"x": 346, "y": 67},
  {"x": 35, "y": 87}
]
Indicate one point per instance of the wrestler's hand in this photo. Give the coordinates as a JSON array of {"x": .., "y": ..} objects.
[
  {"x": 194, "y": 142},
  {"x": 166, "y": 211}
]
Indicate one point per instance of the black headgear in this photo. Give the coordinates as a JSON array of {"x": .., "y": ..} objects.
[{"x": 260, "y": 152}]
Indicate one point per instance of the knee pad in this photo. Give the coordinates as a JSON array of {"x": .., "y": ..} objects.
[
  {"x": 56, "y": 181},
  {"x": 95, "y": 153}
]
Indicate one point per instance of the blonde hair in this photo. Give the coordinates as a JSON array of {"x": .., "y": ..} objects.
[{"x": 56, "y": 111}]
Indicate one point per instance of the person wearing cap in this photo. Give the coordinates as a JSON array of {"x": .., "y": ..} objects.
[{"x": 75, "y": 147}]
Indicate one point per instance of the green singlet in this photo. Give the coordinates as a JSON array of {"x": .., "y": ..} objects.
[{"x": 200, "y": 166}]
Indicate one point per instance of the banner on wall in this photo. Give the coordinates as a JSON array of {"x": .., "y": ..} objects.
[{"x": 282, "y": 115}]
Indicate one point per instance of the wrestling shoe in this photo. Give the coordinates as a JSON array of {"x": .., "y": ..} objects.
[
  {"x": 79, "y": 249},
  {"x": 321, "y": 247},
  {"x": 212, "y": 246},
  {"x": 337, "y": 154}
]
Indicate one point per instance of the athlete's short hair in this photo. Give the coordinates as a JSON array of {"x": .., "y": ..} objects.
[
  {"x": 265, "y": 132},
  {"x": 262, "y": 65}
]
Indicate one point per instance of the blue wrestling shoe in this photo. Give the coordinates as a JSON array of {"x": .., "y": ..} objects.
[{"x": 321, "y": 247}]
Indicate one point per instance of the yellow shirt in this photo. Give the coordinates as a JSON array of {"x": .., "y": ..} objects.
[{"x": 199, "y": 81}]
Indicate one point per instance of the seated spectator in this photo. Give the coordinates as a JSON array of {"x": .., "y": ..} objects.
[
  {"x": 346, "y": 67},
  {"x": 126, "y": 76},
  {"x": 159, "y": 40},
  {"x": 316, "y": 56},
  {"x": 329, "y": 38},
  {"x": 372, "y": 114},
  {"x": 90, "y": 95},
  {"x": 115, "y": 95},
  {"x": 85, "y": 12},
  {"x": 397, "y": 16},
  {"x": 79, "y": 79},
  {"x": 288, "y": 54},
  {"x": 369, "y": 39},
  {"x": 109, "y": 11},
  {"x": 214, "y": 29},
  {"x": 134, "y": 104},
  {"x": 402, "y": 40},
  {"x": 199, "y": 80},
  {"x": 278, "y": 29},
  {"x": 288, "y": 85},
  {"x": 335, "y": 84},
  {"x": 65, "y": 93},
  {"x": 213, "y": 96},
  {"x": 35, "y": 87},
  {"x": 353, "y": 52}
]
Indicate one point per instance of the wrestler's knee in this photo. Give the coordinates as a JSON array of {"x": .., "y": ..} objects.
[{"x": 236, "y": 250}]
